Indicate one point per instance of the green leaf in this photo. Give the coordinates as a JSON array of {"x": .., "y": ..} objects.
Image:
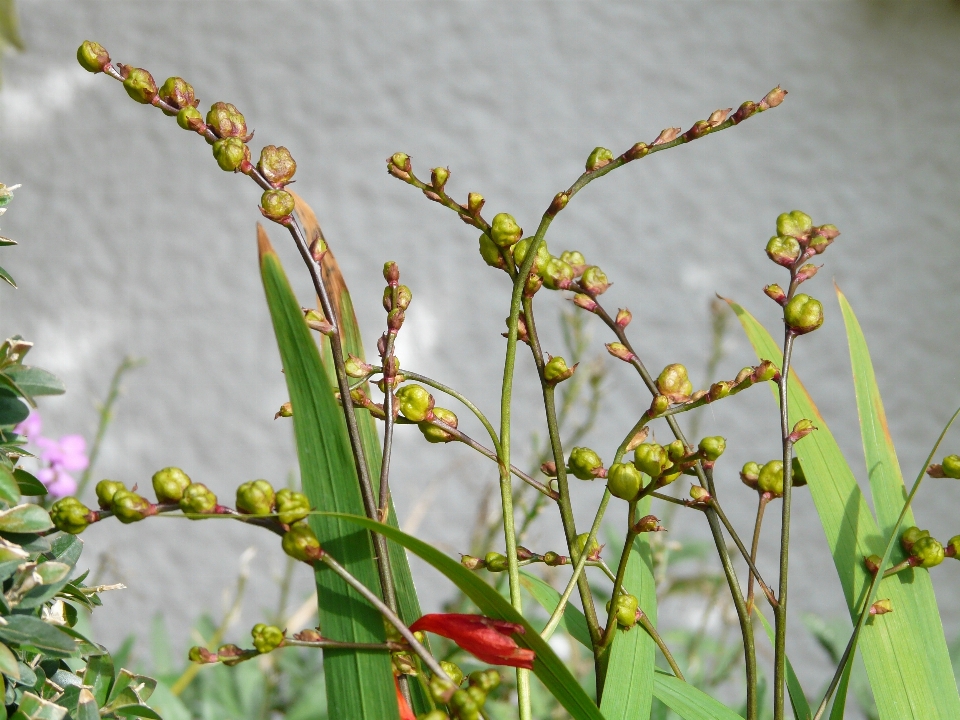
[
  {"x": 25, "y": 519},
  {"x": 628, "y": 685},
  {"x": 9, "y": 491},
  {"x": 547, "y": 666},
  {"x": 28, "y": 630},
  {"x": 905, "y": 651},
  {"x": 28, "y": 484},
  {"x": 36, "y": 381},
  {"x": 359, "y": 684},
  {"x": 5, "y": 276},
  {"x": 99, "y": 677},
  {"x": 35, "y": 708},
  {"x": 801, "y": 708},
  {"x": 87, "y": 706},
  {"x": 67, "y": 548},
  {"x": 12, "y": 411},
  {"x": 573, "y": 620},
  {"x": 138, "y": 711},
  {"x": 10, "y": 33},
  {"x": 9, "y": 665},
  {"x": 688, "y": 702}
]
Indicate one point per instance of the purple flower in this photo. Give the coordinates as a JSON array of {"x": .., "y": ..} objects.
[
  {"x": 31, "y": 426},
  {"x": 62, "y": 457}
]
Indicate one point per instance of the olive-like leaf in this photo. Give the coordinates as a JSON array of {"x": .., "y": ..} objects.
[{"x": 25, "y": 519}]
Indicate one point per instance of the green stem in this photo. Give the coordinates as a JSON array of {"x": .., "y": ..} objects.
[
  {"x": 667, "y": 655},
  {"x": 761, "y": 506}
]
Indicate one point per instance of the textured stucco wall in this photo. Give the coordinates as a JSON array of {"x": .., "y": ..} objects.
[{"x": 132, "y": 241}]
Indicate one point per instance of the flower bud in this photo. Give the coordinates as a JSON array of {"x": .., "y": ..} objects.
[
  {"x": 794, "y": 224},
  {"x": 92, "y": 56},
  {"x": 712, "y": 447},
  {"x": 881, "y": 607},
  {"x": 783, "y": 250},
  {"x": 201, "y": 655},
  {"x": 797, "y": 476},
  {"x": 556, "y": 370},
  {"x": 557, "y": 275},
  {"x": 486, "y": 680},
  {"x": 623, "y": 481},
  {"x": 453, "y": 672},
  {"x": 277, "y": 205},
  {"x": 558, "y": 203},
  {"x": 140, "y": 86},
  {"x": 434, "y": 434},
  {"x": 910, "y": 537},
  {"x": 598, "y": 158},
  {"x": 648, "y": 523},
  {"x": 266, "y": 637},
  {"x": 177, "y": 92},
  {"x": 651, "y": 459},
  {"x": 770, "y": 478},
  {"x": 580, "y": 544},
  {"x": 719, "y": 390},
  {"x": 286, "y": 410},
  {"x": 69, "y": 515},
  {"x": 619, "y": 350},
  {"x": 464, "y": 706},
  {"x": 772, "y": 99},
  {"x": 355, "y": 367},
  {"x": 226, "y": 121},
  {"x": 575, "y": 259},
  {"x": 951, "y": 466},
  {"x": 626, "y": 611},
  {"x": 872, "y": 563},
  {"x": 549, "y": 468},
  {"x": 472, "y": 563},
  {"x": 803, "y": 314},
  {"x": 277, "y": 165},
  {"x": 806, "y": 272},
  {"x": 717, "y": 117},
  {"x": 674, "y": 383},
  {"x": 256, "y": 497},
  {"x": 395, "y": 320},
  {"x": 292, "y": 506},
  {"x": 676, "y": 450},
  {"x": 438, "y": 177},
  {"x": 749, "y": 474},
  {"x": 594, "y": 281},
  {"x": 584, "y": 462},
  {"x": 415, "y": 403},
  {"x": 775, "y": 292},
  {"x": 818, "y": 243},
  {"x": 659, "y": 405},
  {"x": 198, "y": 499},
  {"x": 495, "y": 562},
  {"x": 169, "y": 484},
  {"x": 553, "y": 559},
  {"x": 952, "y": 548},
  {"x": 927, "y": 552},
  {"x": 764, "y": 371},
  {"x": 490, "y": 253},
  {"x": 587, "y": 303},
  {"x": 130, "y": 507},
  {"x": 105, "y": 491},
  {"x": 230, "y": 153},
  {"x": 504, "y": 230},
  {"x": 667, "y": 135},
  {"x": 475, "y": 202},
  {"x": 699, "y": 495},
  {"x": 301, "y": 544},
  {"x": 624, "y": 317},
  {"x": 801, "y": 430},
  {"x": 189, "y": 118}
]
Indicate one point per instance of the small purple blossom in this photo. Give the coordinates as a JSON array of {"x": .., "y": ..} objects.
[{"x": 62, "y": 457}]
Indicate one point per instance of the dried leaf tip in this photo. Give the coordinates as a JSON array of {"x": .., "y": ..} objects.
[{"x": 263, "y": 242}]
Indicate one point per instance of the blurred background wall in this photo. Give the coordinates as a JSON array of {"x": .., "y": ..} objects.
[{"x": 133, "y": 242}]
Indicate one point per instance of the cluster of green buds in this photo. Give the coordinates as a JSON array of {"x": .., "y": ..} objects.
[
  {"x": 417, "y": 405},
  {"x": 223, "y": 127},
  {"x": 926, "y": 551},
  {"x": 797, "y": 241},
  {"x": 949, "y": 467},
  {"x": 266, "y": 639},
  {"x": 497, "y": 562},
  {"x": 665, "y": 463},
  {"x": 767, "y": 479},
  {"x": 465, "y": 703}
]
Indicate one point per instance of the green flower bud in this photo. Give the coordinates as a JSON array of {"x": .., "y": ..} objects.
[
  {"x": 434, "y": 434},
  {"x": 464, "y": 706},
  {"x": 770, "y": 478},
  {"x": 404, "y": 296},
  {"x": 719, "y": 390},
  {"x": 301, "y": 544},
  {"x": 105, "y": 491},
  {"x": 486, "y": 680},
  {"x": 674, "y": 383},
  {"x": 490, "y": 253},
  {"x": 798, "y": 479},
  {"x": 453, "y": 671},
  {"x": 881, "y": 607},
  {"x": 557, "y": 275},
  {"x": 504, "y": 230},
  {"x": 355, "y": 367},
  {"x": 495, "y": 562},
  {"x": 553, "y": 559},
  {"x": 659, "y": 405},
  {"x": 598, "y": 158},
  {"x": 230, "y": 153},
  {"x": 594, "y": 281},
  {"x": 177, "y": 92},
  {"x": 626, "y": 610},
  {"x": 712, "y": 447},
  {"x": 255, "y": 497},
  {"x": 285, "y": 411},
  {"x": 775, "y": 292},
  {"x": 69, "y": 515},
  {"x": 92, "y": 56},
  {"x": 140, "y": 86},
  {"x": 580, "y": 543},
  {"x": 910, "y": 537},
  {"x": 575, "y": 259},
  {"x": 226, "y": 121},
  {"x": 749, "y": 474},
  {"x": 783, "y": 250},
  {"x": 651, "y": 459},
  {"x": 266, "y": 637},
  {"x": 583, "y": 462},
  {"x": 198, "y": 499},
  {"x": 277, "y": 165},
  {"x": 927, "y": 552},
  {"x": 952, "y": 548},
  {"x": 169, "y": 484},
  {"x": 951, "y": 466},
  {"x": 292, "y": 506},
  {"x": 699, "y": 494},
  {"x": 794, "y": 224},
  {"x": 803, "y": 314},
  {"x": 438, "y": 177},
  {"x": 623, "y": 481},
  {"x": 277, "y": 205},
  {"x": 676, "y": 450},
  {"x": 415, "y": 402},
  {"x": 434, "y": 715},
  {"x": 230, "y": 654},
  {"x": 130, "y": 507},
  {"x": 478, "y": 694},
  {"x": 540, "y": 262},
  {"x": 189, "y": 118},
  {"x": 556, "y": 370}
]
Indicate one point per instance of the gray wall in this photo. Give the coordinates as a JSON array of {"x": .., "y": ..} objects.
[{"x": 132, "y": 241}]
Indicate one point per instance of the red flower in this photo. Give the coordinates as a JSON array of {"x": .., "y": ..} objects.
[
  {"x": 487, "y": 639},
  {"x": 405, "y": 712}
]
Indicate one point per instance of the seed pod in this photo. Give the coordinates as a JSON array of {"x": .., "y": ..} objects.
[
  {"x": 771, "y": 100},
  {"x": 626, "y": 611},
  {"x": 292, "y": 506},
  {"x": 106, "y": 490},
  {"x": 618, "y": 350},
  {"x": 92, "y": 56},
  {"x": 226, "y": 121},
  {"x": 783, "y": 250},
  {"x": 651, "y": 459},
  {"x": 712, "y": 448},
  {"x": 580, "y": 543},
  {"x": 594, "y": 281},
  {"x": 584, "y": 462},
  {"x": 749, "y": 474},
  {"x": 927, "y": 552},
  {"x": 277, "y": 205},
  {"x": 169, "y": 484},
  {"x": 806, "y": 272},
  {"x": 140, "y": 86},
  {"x": 575, "y": 259},
  {"x": 198, "y": 499},
  {"x": 659, "y": 405},
  {"x": 486, "y": 680},
  {"x": 301, "y": 544},
  {"x": 230, "y": 153},
  {"x": 553, "y": 559},
  {"x": 598, "y": 158},
  {"x": 719, "y": 390},
  {"x": 285, "y": 411},
  {"x": 540, "y": 262},
  {"x": 556, "y": 370},
  {"x": 504, "y": 230},
  {"x": 775, "y": 292},
  {"x": 557, "y": 275},
  {"x": 699, "y": 495},
  {"x": 648, "y": 523},
  {"x": 438, "y": 177},
  {"x": 277, "y": 165},
  {"x": 472, "y": 563},
  {"x": 434, "y": 434},
  {"x": 130, "y": 507},
  {"x": 674, "y": 383},
  {"x": 951, "y": 466},
  {"x": 881, "y": 607},
  {"x": 770, "y": 478},
  {"x": 177, "y": 92},
  {"x": 794, "y": 224},
  {"x": 189, "y": 118},
  {"x": 623, "y": 481},
  {"x": 464, "y": 706},
  {"x": 803, "y": 314},
  {"x": 910, "y": 536},
  {"x": 952, "y": 548},
  {"x": 624, "y": 317},
  {"x": 490, "y": 253},
  {"x": 256, "y": 497},
  {"x": 69, "y": 515},
  {"x": 495, "y": 562},
  {"x": 415, "y": 403},
  {"x": 266, "y": 637},
  {"x": 453, "y": 671}
]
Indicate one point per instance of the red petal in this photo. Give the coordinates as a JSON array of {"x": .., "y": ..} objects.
[
  {"x": 405, "y": 712},
  {"x": 486, "y": 638}
]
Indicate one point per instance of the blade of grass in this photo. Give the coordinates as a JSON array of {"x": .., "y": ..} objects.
[
  {"x": 359, "y": 684},
  {"x": 898, "y": 648}
]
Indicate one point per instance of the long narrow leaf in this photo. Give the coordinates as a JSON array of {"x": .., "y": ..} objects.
[
  {"x": 905, "y": 651},
  {"x": 572, "y": 621},
  {"x": 359, "y": 684}
]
